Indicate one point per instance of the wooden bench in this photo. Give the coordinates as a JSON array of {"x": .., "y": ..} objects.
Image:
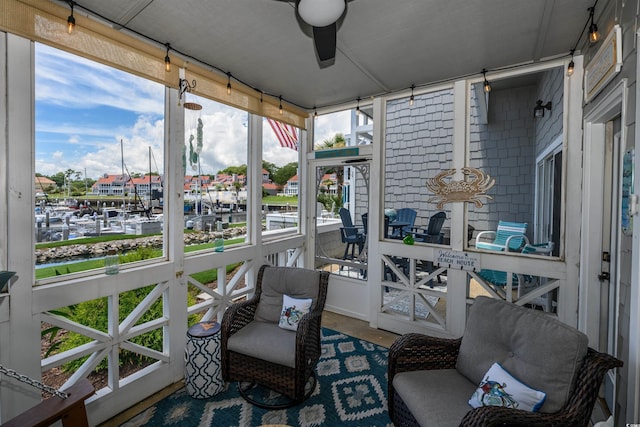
[{"x": 71, "y": 411}]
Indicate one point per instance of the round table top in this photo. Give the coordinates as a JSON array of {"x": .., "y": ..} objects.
[{"x": 204, "y": 329}]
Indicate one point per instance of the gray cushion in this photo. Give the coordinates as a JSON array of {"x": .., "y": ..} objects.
[
  {"x": 277, "y": 281},
  {"x": 534, "y": 347},
  {"x": 265, "y": 341},
  {"x": 435, "y": 398}
]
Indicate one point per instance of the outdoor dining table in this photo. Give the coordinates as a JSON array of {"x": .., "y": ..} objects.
[{"x": 394, "y": 225}]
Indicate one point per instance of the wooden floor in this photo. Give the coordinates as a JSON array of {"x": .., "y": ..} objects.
[
  {"x": 357, "y": 328},
  {"x": 347, "y": 325}
]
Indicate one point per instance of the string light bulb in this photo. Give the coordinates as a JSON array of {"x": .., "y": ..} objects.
[
  {"x": 315, "y": 112},
  {"x": 411, "y": 98},
  {"x": 228, "y": 83},
  {"x": 571, "y": 65},
  {"x": 358, "y": 105},
  {"x": 167, "y": 60},
  {"x": 280, "y": 107},
  {"x": 594, "y": 34},
  {"x": 71, "y": 21},
  {"x": 487, "y": 85}
]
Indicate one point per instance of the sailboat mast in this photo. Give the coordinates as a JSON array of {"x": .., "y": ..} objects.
[
  {"x": 122, "y": 169},
  {"x": 149, "y": 205}
]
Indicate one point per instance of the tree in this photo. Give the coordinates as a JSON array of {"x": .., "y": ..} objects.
[
  {"x": 67, "y": 179},
  {"x": 58, "y": 179},
  {"x": 270, "y": 167},
  {"x": 284, "y": 173},
  {"x": 337, "y": 141},
  {"x": 237, "y": 170},
  {"x": 327, "y": 185}
]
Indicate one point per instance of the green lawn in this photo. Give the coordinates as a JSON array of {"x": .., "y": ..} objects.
[
  {"x": 90, "y": 264},
  {"x": 280, "y": 200}
]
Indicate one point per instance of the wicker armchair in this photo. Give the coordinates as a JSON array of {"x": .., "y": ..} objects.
[
  {"x": 246, "y": 322},
  {"x": 414, "y": 352}
]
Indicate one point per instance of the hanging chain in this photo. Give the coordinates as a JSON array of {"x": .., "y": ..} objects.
[{"x": 37, "y": 384}]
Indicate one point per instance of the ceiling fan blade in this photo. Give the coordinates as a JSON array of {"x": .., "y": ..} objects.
[{"x": 324, "y": 39}]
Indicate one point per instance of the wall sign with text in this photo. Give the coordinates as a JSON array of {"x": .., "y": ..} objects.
[{"x": 606, "y": 63}]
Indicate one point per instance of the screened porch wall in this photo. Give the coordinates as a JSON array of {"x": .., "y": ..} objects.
[
  {"x": 419, "y": 145},
  {"x": 503, "y": 148},
  {"x": 507, "y": 145},
  {"x": 549, "y": 128}
]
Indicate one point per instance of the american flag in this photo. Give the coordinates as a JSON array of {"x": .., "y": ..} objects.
[{"x": 286, "y": 134}]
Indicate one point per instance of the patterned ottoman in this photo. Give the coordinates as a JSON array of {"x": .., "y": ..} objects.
[{"x": 203, "y": 376}]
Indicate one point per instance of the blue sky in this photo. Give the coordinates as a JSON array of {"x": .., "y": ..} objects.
[{"x": 84, "y": 109}]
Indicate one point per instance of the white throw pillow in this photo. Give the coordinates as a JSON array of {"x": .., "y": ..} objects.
[
  {"x": 292, "y": 311},
  {"x": 500, "y": 388}
]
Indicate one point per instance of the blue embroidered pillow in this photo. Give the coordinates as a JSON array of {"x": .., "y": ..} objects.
[
  {"x": 500, "y": 388},
  {"x": 292, "y": 311}
]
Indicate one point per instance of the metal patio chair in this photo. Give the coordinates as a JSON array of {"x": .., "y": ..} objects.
[{"x": 508, "y": 237}]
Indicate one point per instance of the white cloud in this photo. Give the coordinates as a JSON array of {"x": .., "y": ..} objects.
[
  {"x": 85, "y": 109},
  {"x": 328, "y": 125},
  {"x": 74, "y": 82}
]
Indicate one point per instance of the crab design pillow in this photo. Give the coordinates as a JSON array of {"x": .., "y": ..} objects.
[
  {"x": 500, "y": 388},
  {"x": 292, "y": 311}
]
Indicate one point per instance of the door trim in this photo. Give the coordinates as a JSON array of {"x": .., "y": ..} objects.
[{"x": 612, "y": 105}]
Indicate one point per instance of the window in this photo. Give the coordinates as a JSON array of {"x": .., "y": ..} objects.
[
  {"x": 521, "y": 151},
  {"x": 548, "y": 190},
  {"x": 99, "y": 164},
  {"x": 342, "y": 190},
  {"x": 215, "y": 181},
  {"x": 280, "y": 178},
  {"x": 418, "y": 146}
]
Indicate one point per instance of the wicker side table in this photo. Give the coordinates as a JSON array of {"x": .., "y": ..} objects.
[{"x": 203, "y": 376}]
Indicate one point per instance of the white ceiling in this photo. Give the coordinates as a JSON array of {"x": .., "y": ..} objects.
[{"x": 383, "y": 45}]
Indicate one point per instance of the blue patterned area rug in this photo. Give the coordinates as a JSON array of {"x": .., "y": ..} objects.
[{"x": 351, "y": 391}]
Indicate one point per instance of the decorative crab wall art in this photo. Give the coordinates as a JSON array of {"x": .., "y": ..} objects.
[{"x": 471, "y": 189}]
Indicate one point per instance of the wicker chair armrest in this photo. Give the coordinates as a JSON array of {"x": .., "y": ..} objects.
[
  {"x": 308, "y": 339},
  {"x": 237, "y": 316},
  {"x": 414, "y": 352},
  {"x": 306, "y": 324},
  {"x": 488, "y": 416},
  {"x": 587, "y": 386}
]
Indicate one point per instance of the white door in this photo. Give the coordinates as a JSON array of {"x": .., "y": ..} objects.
[
  {"x": 548, "y": 196},
  {"x": 612, "y": 221}
]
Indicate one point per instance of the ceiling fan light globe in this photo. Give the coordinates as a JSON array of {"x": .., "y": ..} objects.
[{"x": 320, "y": 13}]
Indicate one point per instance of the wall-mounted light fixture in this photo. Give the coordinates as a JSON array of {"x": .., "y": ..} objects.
[{"x": 538, "y": 110}]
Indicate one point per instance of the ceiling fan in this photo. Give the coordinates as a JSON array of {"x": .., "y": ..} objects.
[{"x": 320, "y": 20}]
